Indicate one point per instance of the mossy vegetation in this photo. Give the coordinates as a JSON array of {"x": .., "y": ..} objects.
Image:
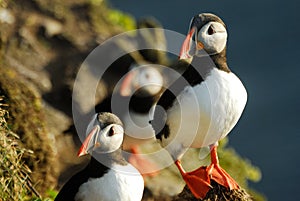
[{"x": 26, "y": 119}]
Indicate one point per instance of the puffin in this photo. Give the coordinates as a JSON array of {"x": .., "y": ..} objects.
[
  {"x": 108, "y": 176},
  {"x": 202, "y": 106},
  {"x": 133, "y": 102}
]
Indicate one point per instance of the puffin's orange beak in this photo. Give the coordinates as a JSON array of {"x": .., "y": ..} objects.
[
  {"x": 89, "y": 143},
  {"x": 126, "y": 88},
  {"x": 187, "y": 46}
]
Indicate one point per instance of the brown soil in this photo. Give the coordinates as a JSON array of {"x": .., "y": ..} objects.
[{"x": 217, "y": 193}]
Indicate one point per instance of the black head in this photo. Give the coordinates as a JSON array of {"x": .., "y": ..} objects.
[
  {"x": 201, "y": 19},
  {"x": 105, "y": 119}
]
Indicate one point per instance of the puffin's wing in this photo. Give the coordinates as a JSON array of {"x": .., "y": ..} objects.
[
  {"x": 160, "y": 115},
  {"x": 69, "y": 190}
]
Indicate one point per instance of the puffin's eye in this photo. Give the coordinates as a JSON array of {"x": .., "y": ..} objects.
[
  {"x": 111, "y": 131},
  {"x": 147, "y": 76},
  {"x": 211, "y": 31}
]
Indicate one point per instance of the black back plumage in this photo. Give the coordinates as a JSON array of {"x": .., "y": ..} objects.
[
  {"x": 190, "y": 77},
  {"x": 93, "y": 170}
]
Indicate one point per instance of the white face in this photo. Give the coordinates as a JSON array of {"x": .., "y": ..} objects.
[
  {"x": 104, "y": 140},
  {"x": 109, "y": 139},
  {"x": 213, "y": 36},
  {"x": 149, "y": 80}
]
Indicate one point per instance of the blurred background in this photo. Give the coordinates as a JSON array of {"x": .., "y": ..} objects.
[{"x": 43, "y": 43}]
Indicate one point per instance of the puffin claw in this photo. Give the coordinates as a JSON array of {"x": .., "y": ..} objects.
[
  {"x": 198, "y": 186},
  {"x": 198, "y": 180},
  {"x": 223, "y": 178}
]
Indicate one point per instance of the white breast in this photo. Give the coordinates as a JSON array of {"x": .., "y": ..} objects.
[
  {"x": 205, "y": 113},
  {"x": 120, "y": 183}
]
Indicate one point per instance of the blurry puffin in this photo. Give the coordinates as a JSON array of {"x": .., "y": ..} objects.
[
  {"x": 209, "y": 104},
  {"x": 140, "y": 89},
  {"x": 138, "y": 66},
  {"x": 110, "y": 179}
]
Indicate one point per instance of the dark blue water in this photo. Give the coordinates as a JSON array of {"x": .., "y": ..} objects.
[{"x": 264, "y": 50}]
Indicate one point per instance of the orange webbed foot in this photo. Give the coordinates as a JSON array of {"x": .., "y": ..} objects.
[
  {"x": 198, "y": 180},
  {"x": 218, "y": 174}
]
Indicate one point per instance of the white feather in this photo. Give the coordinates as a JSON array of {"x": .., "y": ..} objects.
[
  {"x": 120, "y": 183},
  {"x": 205, "y": 113}
]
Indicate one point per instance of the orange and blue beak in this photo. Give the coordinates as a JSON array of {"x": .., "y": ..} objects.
[
  {"x": 90, "y": 142},
  {"x": 191, "y": 45}
]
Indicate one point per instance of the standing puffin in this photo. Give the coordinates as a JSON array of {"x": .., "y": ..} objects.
[
  {"x": 202, "y": 106},
  {"x": 108, "y": 177}
]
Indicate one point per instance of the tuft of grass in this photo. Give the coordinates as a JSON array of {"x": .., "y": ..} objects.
[
  {"x": 50, "y": 196},
  {"x": 15, "y": 182}
]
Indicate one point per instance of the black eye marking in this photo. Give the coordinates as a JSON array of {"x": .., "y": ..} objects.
[
  {"x": 111, "y": 131},
  {"x": 211, "y": 31},
  {"x": 147, "y": 76}
]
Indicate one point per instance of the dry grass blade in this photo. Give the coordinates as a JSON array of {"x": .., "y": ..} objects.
[{"x": 14, "y": 174}]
